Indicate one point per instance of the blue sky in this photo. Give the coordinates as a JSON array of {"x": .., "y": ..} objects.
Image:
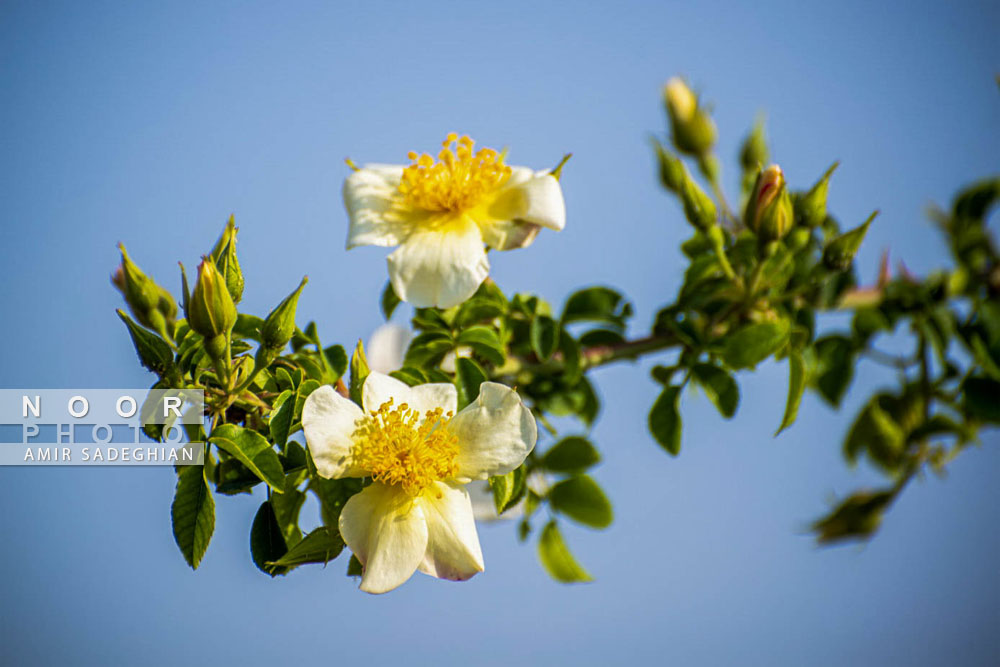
[{"x": 150, "y": 125}]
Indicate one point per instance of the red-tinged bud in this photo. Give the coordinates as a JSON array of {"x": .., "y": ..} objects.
[{"x": 769, "y": 212}]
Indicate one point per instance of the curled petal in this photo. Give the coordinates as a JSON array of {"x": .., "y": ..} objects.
[
  {"x": 532, "y": 197},
  {"x": 495, "y": 433},
  {"x": 453, "y": 550},
  {"x": 509, "y": 234},
  {"x": 386, "y": 530},
  {"x": 441, "y": 265},
  {"x": 329, "y": 421}
]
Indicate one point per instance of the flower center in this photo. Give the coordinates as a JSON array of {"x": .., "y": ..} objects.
[
  {"x": 395, "y": 446},
  {"x": 458, "y": 181}
]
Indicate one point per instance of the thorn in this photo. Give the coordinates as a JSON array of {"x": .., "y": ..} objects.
[{"x": 883, "y": 270}]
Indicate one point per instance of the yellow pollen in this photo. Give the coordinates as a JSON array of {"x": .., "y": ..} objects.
[
  {"x": 395, "y": 446},
  {"x": 458, "y": 181}
]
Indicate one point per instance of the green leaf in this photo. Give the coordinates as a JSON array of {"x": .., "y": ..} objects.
[
  {"x": 266, "y": 543},
  {"x": 193, "y": 514},
  {"x": 389, "y": 300},
  {"x": 359, "y": 371},
  {"x": 154, "y": 353},
  {"x": 982, "y": 399},
  {"x": 876, "y": 432},
  {"x": 485, "y": 342},
  {"x": 428, "y": 349},
  {"x": 430, "y": 319},
  {"x": 508, "y": 489},
  {"x": 754, "y": 343},
  {"x": 336, "y": 356},
  {"x": 232, "y": 477},
  {"x": 281, "y": 419},
  {"x": 486, "y": 304},
  {"x": 248, "y": 326},
  {"x": 840, "y": 252},
  {"x": 597, "y": 304},
  {"x": 332, "y": 494},
  {"x": 468, "y": 376},
  {"x": 719, "y": 386},
  {"x": 320, "y": 546},
  {"x": 572, "y": 454},
  {"x": 941, "y": 425},
  {"x": 307, "y": 387},
  {"x": 354, "y": 567},
  {"x": 287, "y": 507},
  {"x": 834, "y": 367},
  {"x": 253, "y": 451},
  {"x": 857, "y": 517},
  {"x": 582, "y": 499},
  {"x": 572, "y": 370},
  {"x": 409, "y": 375},
  {"x": 544, "y": 336},
  {"x": 284, "y": 379},
  {"x": 559, "y": 400},
  {"x": 665, "y": 420},
  {"x": 557, "y": 559},
  {"x": 596, "y": 337},
  {"x": 796, "y": 385}
]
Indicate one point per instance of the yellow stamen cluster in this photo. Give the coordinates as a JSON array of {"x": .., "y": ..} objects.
[
  {"x": 458, "y": 182},
  {"x": 395, "y": 446}
]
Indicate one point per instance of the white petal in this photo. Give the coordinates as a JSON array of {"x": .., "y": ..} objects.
[
  {"x": 495, "y": 433},
  {"x": 373, "y": 208},
  {"x": 379, "y": 388},
  {"x": 453, "y": 550},
  {"x": 386, "y": 348},
  {"x": 435, "y": 395},
  {"x": 441, "y": 265},
  {"x": 329, "y": 421},
  {"x": 386, "y": 530}
]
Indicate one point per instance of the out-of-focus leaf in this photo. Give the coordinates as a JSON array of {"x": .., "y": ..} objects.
[
  {"x": 582, "y": 499},
  {"x": 544, "y": 337},
  {"x": 857, "y": 517},
  {"x": 665, "y": 420},
  {"x": 796, "y": 386},
  {"x": 834, "y": 369},
  {"x": 754, "y": 343},
  {"x": 719, "y": 386},
  {"x": 571, "y": 454},
  {"x": 557, "y": 559},
  {"x": 389, "y": 300},
  {"x": 484, "y": 342},
  {"x": 468, "y": 376},
  {"x": 982, "y": 399}
]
